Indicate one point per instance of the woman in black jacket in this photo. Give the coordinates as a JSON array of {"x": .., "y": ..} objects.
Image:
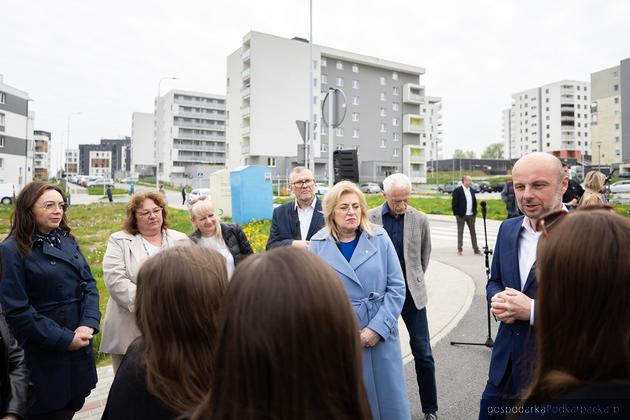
[
  {"x": 14, "y": 374},
  {"x": 229, "y": 240}
]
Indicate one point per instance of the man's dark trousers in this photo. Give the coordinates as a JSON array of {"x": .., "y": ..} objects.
[{"x": 470, "y": 221}]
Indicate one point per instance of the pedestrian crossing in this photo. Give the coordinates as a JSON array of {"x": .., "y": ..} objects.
[{"x": 447, "y": 232}]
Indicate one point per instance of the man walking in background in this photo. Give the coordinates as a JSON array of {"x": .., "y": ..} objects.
[{"x": 464, "y": 205}]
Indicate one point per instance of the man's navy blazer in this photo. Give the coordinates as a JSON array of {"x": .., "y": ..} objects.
[
  {"x": 515, "y": 343},
  {"x": 285, "y": 224}
]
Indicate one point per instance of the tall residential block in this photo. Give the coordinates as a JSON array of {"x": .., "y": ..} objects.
[
  {"x": 189, "y": 136},
  {"x": 431, "y": 111},
  {"x": 142, "y": 144},
  {"x": 268, "y": 91},
  {"x": 552, "y": 118},
  {"x": 16, "y": 136},
  {"x": 610, "y": 124},
  {"x": 41, "y": 155}
]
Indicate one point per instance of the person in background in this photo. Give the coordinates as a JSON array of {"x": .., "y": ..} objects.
[
  {"x": 409, "y": 231},
  {"x": 574, "y": 191},
  {"x": 464, "y": 206},
  {"x": 167, "y": 371},
  {"x": 132, "y": 188},
  {"x": 583, "y": 357},
  {"x": 161, "y": 190},
  {"x": 183, "y": 195},
  {"x": 295, "y": 222},
  {"x": 228, "y": 239},
  {"x": 288, "y": 346},
  {"x": 594, "y": 182},
  {"x": 509, "y": 198},
  {"x": 110, "y": 194},
  {"x": 367, "y": 265},
  {"x": 145, "y": 233},
  {"x": 51, "y": 302}
]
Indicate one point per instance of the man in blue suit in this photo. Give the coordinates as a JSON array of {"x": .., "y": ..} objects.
[
  {"x": 539, "y": 183},
  {"x": 294, "y": 223}
]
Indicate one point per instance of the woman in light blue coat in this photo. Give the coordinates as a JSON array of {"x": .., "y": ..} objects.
[{"x": 365, "y": 260}]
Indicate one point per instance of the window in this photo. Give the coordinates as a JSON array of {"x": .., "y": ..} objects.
[
  {"x": 355, "y": 100},
  {"x": 339, "y": 81},
  {"x": 383, "y": 112},
  {"x": 324, "y": 78},
  {"x": 616, "y": 99},
  {"x": 339, "y": 131},
  {"x": 324, "y": 62},
  {"x": 323, "y": 147},
  {"x": 3, "y": 97},
  {"x": 395, "y": 90},
  {"x": 324, "y": 130},
  {"x": 394, "y": 76},
  {"x": 396, "y": 152},
  {"x": 1, "y": 141},
  {"x": 355, "y": 84},
  {"x": 616, "y": 126},
  {"x": 1, "y": 163},
  {"x": 395, "y": 106},
  {"x": 1, "y": 121},
  {"x": 382, "y": 96},
  {"x": 355, "y": 68},
  {"x": 616, "y": 88},
  {"x": 355, "y": 133},
  {"x": 355, "y": 117},
  {"x": 271, "y": 161},
  {"x": 383, "y": 143},
  {"x": 396, "y": 137},
  {"x": 339, "y": 65},
  {"x": 314, "y": 82},
  {"x": 381, "y": 81},
  {"x": 383, "y": 128},
  {"x": 395, "y": 122},
  {"x": 339, "y": 146}
]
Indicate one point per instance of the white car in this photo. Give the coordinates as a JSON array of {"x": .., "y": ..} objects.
[
  {"x": 7, "y": 193},
  {"x": 198, "y": 192},
  {"x": 620, "y": 187},
  {"x": 321, "y": 189}
]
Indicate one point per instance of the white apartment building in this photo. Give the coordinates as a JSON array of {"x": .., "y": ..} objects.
[
  {"x": 16, "y": 136},
  {"x": 142, "y": 143},
  {"x": 100, "y": 163},
  {"x": 41, "y": 155},
  {"x": 268, "y": 90},
  {"x": 610, "y": 125},
  {"x": 552, "y": 118},
  {"x": 431, "y": 111},
  {"x": 189, "y": 136},
  {"x": 71, "y": 162}
]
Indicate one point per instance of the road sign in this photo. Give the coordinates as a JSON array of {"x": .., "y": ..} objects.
[{"x": 339, "y": 107}]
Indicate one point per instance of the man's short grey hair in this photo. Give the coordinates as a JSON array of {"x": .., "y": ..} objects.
[
  {"x": 396, "y": 180},
  {"x": 298, "y": 170}
]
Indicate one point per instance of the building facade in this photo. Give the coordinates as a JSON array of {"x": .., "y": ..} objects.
[
  {"x": 431, "y": 111},
  {"x": 268, "y": 91},
  {"x": 142, "y": 144},
  {"x": 552, "y": 118},
  {"x": 109, "y": 159},
  {"x": 71, "y": 162},
  {"x": 16, "y": 136},
  {"x": 610, "y": 121},
  {"x": 41, "y": 155},
  {"x": 189, "y": 136}
]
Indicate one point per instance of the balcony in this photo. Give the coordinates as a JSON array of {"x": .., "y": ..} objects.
[
  {"x": 2, "y": 128},
  {"x": 413, "y": 124},
  {"x": 246, "y": 54},
  {"x": 245, "y": 130},
  {"x": 199, "y": 125},
  {"x": 245, "y": 74},
  {"x": 199, "y": 148},
  {"x": 245, "y": 147},
  {"x": 199, "y": 103},
  {"x": 205, "y": 115},
  {"x": 245, "y": 92},
  {"x": 413, "y": 93},
  {"x": 203, "y": 160},
  {"x": 191, "y": 136}
]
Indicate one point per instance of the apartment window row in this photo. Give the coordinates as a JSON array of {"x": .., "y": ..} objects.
[{"x": 3, "y": 97}]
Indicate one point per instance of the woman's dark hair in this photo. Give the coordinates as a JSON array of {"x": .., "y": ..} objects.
[
  {"x": 583, "y": 316},
  {"x": 178, "y": 299},
  {"x": 130, "y": 224},
  {"x": 23, "y": 224},
  {"x": 288, "y": 344}
]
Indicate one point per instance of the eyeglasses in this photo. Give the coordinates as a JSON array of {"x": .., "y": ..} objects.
[
  {"x": 345, "y": 208},
  {"x": 51, "y": 206},
  {"x": 303, "y": 183},
  {"x": 194, "y": 200},
  {"x": 146, "y": 213},
  {"x": 546, "y": 222}
]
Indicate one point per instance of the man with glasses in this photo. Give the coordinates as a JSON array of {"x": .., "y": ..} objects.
[
  {"x": 539, "y": 183},
  {"x": 294, "y": 223}
]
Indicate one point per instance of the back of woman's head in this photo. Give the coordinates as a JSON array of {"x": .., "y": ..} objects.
[
  {"x": 288, "y": 344},
  {"x": 583, "y": 316},
  {"x": 179, "y": 295}
]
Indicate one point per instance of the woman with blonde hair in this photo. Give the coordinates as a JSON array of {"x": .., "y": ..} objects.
[
  {"x": 228, "y": 239},
  {"x": 593, "y": 190},
  {"x": 366, "y": 263},
  {"x": 145, "y": 233},
  {"x": 167, "y": 371}
]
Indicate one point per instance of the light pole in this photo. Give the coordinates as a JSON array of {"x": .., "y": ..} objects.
[
  {"x": 68, "y": 147},
  {"x": 599, "y": 156},
  {"x": 157, "y": 159}
]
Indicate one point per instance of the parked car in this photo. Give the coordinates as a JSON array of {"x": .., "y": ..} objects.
[
  {"x": 198, "y": 192},
  {"x": 497, "y": 187},
  {"x": 448, "y": 187},
  {"x": 620, "y": 187},
  {"x": 321, "y": 189},
  {"x": 370, "y": 188},
  {"x": 7, "y": 192},
  {"x": 99, "y": 183},
  {"x": 484, "y": 186}
]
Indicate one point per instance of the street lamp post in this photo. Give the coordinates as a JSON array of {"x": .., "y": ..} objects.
[
  {"x": 68, "y": 147},
  {"x": 599, "y": 156},
  {"x": 157, "y": 159}
]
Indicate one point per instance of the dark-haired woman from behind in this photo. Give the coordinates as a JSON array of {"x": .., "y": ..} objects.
[
  {"x": 51, "y": 302},
  {"x": 583, "y": 317},
  {"x": 288, "y": 346},
  {"x": 168, "y": 369}
]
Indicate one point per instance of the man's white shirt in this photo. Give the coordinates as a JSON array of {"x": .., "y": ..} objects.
[
  {"x": 469, "y": 203},
  {"x": 305, "y": 215}
]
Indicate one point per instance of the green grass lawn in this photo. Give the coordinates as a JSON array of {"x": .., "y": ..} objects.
[
  {"x": 92, "y": 225},
  {"x": 101, "y": 191}
]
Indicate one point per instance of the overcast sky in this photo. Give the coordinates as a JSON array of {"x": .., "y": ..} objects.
[{"x": 104, "y": 59}]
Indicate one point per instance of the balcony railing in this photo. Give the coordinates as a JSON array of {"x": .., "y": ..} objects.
[
  {"x": 245, "y": 92},
  {"x": 219, "y": 127},
  {"x": 199, "y": 159},
  {"x": 199, "y": 148},
  {"x": 246, "y": 54},
  {"x": 245, "y": 73},
  {"x": 200, "y": 136},
  {"x": 204, "y": 115},
  {"x": 199, "y": 104}
]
